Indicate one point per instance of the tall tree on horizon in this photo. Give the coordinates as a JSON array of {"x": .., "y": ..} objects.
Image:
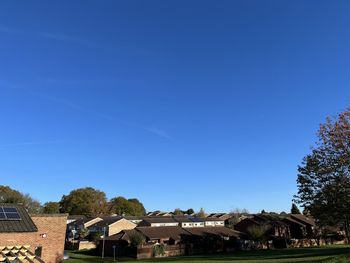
[
  {"x": 51, "y": 208},
  {"x": 295, "y": 209},
  {"x": 84, "y": 201},
  {"x": 324, "y": 175},
  {"x": 128, "y": 207}
]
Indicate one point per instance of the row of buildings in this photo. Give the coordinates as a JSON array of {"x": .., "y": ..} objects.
[
  {"x": 42, "y": 238},
  {"x": 188, "y": 234}
]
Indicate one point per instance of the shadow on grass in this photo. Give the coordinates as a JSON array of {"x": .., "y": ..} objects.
[{"x": 324, "y": 254}]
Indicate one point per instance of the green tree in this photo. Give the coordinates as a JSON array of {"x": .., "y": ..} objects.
[
  {"x": 189, "y": 211},
  {"x": 137, "y": 208},
  {"x": 84, "y": 201},
  {"x": 83, "y": 233},
  {"x": 51, "y": 208},
  {"x": 137, "y": 239},
  {"x": 128, "y": 207},
  {"x": 295, "y": 209},
  {"x": 178, "y": 212},
  {"x": 258, "y": 234},
  {"x": 324, "y": 175},
  {"x": 201, "y": 213},
  {"x": 119, "y": 205},
  {"x": 9, "y": 195}
]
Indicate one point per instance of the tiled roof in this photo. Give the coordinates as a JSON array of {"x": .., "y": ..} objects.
[
  {"x": 159, "y": 219},
  {"x": 219, "y": 231},
  {"x": 183, "y": 219},
  {"x": 106, "y": 221},
  {"x": 211, "y": 219},
  {"x": 304, "y": 219},
  {"x": 123, "y": 235},
  {"x": 25, "y": 224},
  {"x": 173, "y": 232}
]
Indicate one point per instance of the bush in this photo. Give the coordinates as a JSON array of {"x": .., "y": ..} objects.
[
  {"x": 159, "y": 250},
  {"x": 137, "y": 239}
]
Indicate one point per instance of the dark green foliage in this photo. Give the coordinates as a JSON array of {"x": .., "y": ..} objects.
[
  {"x": 51, "y": 208},
  {"x": 83, "y": 233},
  {"x": 295, "y": 209},
  {"x": 137, "y": 239},
  {"x": 84, "y": 201},
  {"x": 189, "y": 211},
  {"x": 127, "y": 207},
  {"x": 258, "y": 233},
  {"x": 159, "y": 250},
  {"x": 178, "y": 212}
]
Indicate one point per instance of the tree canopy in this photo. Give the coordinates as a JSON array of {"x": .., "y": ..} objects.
[
  {"x": 179, "y": 212},
  {"x": 51, "y": 208},
  {"x": 9, "y": 195},
  {"x": 128, "y": 207},
  {"x": 201, "y": 213},
  {"x": 324, "y": 175},
  {"x": 84, "y": 201}
]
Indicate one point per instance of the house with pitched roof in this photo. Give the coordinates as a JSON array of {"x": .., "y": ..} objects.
[{"x": 31, "y": 238}]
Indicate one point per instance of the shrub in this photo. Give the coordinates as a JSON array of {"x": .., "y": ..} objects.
[
  {"x": 159, "y": 250},
  {"x": 137, "y": 239}
]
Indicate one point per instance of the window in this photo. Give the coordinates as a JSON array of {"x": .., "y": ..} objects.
[{"x": 38, "y": 251}]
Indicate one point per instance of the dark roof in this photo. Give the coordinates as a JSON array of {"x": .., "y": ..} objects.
[
  {"x": 291, "y": 220},
  {"x": 304, "y": 219},
  {"x": 81, "y": 221},
  {"x": 174, "y": 232},
  {"x": 209, "y": 219},
  {"x": 106, "y": 221},
  {"x": 159, "y": 219},
  {"x": 218, "y": 231},
  {"x": 123, "y": 235},
  {"x": 273, "y": 220},
  {"x": 25, "y": 224},
  {"x": 183, "y": 219}
]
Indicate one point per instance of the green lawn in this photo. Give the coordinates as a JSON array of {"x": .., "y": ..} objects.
[{"x": 332, "y": 254}]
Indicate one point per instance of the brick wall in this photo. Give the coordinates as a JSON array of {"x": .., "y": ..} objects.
[{"x": 50, "y": 236}]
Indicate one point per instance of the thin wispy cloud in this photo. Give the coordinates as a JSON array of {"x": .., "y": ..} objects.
[
  {"x": 47, "y": 35},
  {"x": 29, "y": 143},
  {"x": 155, "y": 131},
  {"x": 65, "y": 38}
]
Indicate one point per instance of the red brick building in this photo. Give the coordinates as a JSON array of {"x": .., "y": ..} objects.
[{"x": 31, "y": 238}]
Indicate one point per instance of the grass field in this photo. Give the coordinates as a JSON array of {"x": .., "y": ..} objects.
[{"x": 334, "y": 254}]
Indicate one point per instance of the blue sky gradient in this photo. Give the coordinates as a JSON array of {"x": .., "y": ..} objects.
[{"x": 178, "y": 103}]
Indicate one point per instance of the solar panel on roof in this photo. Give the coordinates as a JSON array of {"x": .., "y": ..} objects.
[
  {"x": 12, "y": 215},
  {"x": 9, "y": 213},
  {"x": 10, "y": 210}
]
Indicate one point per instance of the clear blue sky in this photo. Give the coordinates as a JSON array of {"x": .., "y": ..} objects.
[{"x": 178, "y": 103}]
